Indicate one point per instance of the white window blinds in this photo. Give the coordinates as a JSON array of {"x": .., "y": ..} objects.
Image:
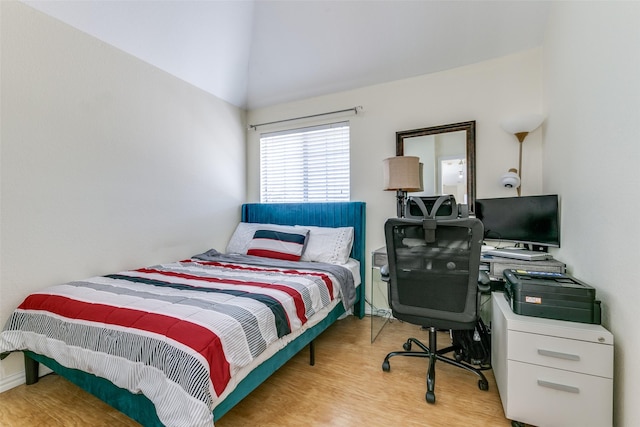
[{"x": 305, "y": 165}]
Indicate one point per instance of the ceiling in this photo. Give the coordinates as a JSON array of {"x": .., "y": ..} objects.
[{"x": 256, "y": 53}]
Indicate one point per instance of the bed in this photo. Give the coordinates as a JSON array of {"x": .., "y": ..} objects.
[{"x": 315, "y": 296}]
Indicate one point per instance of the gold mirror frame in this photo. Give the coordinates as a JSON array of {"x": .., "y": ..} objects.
[{"x": 470, "y": 129}]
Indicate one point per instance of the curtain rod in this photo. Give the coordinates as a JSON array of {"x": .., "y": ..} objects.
[{"x": 354, "y": 109}]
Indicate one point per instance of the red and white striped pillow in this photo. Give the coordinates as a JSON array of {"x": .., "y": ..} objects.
[{"x": 281, "y": 242}]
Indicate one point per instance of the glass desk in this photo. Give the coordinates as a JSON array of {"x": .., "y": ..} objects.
[{"x": 380, "y": 311}]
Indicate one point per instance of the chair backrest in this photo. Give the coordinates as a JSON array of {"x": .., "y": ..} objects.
[{"x": 433, "y": 273}]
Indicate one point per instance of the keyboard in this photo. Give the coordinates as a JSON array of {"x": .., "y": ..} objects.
[{"x": 523, "y": 254}]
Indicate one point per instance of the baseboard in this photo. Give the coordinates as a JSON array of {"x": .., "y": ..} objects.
[
  {"x": 19, "y": 378},
  {"x": 12, "y": 381}
]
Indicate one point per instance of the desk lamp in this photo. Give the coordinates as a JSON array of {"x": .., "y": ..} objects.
[{"x": 402, "y": 173}]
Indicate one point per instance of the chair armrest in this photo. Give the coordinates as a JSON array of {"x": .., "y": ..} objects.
[{"x": 484, "y": 282}]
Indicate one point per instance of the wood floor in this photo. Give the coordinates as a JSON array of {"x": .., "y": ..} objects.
[{"x": 345, "y": 388}]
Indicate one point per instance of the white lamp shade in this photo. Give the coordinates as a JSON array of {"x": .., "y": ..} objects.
[
  {"x": 522, "y": 123},
  {"x": 402, "y": 173}
]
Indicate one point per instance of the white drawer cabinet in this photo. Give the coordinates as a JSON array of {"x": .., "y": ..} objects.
[{"x": 551, "y": 372}]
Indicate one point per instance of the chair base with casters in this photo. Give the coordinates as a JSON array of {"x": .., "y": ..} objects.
[{"x": 434, "y": 355}]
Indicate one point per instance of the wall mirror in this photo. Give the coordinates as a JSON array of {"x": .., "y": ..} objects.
[{"x": 448, "y": 157}]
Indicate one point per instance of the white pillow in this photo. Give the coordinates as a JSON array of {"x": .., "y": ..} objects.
[
  {"x": 328, "y": 244},
  {"x": 241, "y": 237}
]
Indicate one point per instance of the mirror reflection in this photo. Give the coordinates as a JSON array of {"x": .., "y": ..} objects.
[{"x": 447, "y": 155}]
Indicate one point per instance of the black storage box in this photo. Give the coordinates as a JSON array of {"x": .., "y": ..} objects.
[{"x": 551, "y": 295}]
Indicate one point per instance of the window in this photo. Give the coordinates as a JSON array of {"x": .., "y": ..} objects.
[{"x": 305, "y": 165}]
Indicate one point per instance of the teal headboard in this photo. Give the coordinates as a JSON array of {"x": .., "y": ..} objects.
[{"x": 328, "y": 214}]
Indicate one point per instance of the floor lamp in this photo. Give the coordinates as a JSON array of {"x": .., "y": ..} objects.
[{"x": 520, "y": 126}]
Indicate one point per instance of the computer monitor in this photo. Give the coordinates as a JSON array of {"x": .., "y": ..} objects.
[{"x": 531, "y": 220}]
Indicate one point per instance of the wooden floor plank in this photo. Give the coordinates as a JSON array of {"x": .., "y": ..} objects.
[{"x": 346, "y": 387}]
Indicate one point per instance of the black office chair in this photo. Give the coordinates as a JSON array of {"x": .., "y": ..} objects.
[{"x": 433, "y": 275}]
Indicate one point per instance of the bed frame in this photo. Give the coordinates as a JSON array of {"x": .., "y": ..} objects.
[{"x": 140, "y": 408}]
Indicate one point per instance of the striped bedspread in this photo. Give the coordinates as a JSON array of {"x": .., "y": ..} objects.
[{"x": 176, "y": 332}]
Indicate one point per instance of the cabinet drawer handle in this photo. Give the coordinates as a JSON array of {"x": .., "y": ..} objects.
[
  {"x": 561, "y": 387},
  {"x": 558, "y": 355}
]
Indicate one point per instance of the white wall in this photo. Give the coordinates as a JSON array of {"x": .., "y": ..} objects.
[
  {"x": 591, "y": 158},
  {"x": 107, "y": 163},
  {"x": 486, "y": 92}
]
